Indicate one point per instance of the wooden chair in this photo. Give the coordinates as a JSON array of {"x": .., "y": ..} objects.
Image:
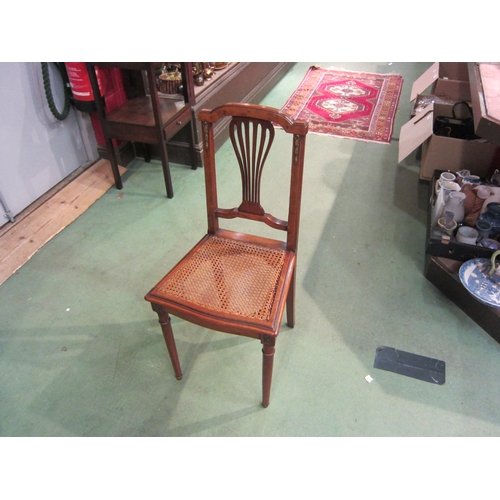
[{"x": 230, "y": 281}]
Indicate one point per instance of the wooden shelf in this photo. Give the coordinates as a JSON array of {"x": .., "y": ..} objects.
[{"x": 147, "y": 119}]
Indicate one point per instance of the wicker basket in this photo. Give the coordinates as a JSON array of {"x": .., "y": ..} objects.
[{"x": 170, "y": 83}]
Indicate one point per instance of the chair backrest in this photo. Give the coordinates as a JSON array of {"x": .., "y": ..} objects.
[{"x": 251, "y": 129}]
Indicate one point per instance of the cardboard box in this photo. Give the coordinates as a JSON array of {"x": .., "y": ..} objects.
[
  {"x": 444, "y": 153},
  {"x": 485, "y": 88},
  {"x": 447, "y": 80}
]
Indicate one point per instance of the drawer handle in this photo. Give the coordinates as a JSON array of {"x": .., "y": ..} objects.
[{"x": 179, "y": 123}]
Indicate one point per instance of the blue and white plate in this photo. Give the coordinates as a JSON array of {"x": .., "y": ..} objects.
[{"x": 474, "y": 275}]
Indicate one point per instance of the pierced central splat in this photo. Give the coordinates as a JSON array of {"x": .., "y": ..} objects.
[{"x": 251, "y": 141}]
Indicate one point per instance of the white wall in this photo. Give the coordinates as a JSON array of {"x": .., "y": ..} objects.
[{"x": 36, "y": 150}]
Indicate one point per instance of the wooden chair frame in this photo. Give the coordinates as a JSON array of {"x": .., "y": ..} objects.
[{"x": 252, "y": 134}]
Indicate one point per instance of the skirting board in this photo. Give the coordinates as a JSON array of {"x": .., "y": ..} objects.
[{"x": 24, "y": 238}]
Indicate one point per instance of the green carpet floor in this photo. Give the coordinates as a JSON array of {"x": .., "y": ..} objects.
[{"x": 81, "y": 352}]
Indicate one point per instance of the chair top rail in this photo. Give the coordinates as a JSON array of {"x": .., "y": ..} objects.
[{"x": 255, "y": 111}]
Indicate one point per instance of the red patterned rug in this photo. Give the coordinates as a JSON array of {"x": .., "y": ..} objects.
[{"x": 347, "y": 104}]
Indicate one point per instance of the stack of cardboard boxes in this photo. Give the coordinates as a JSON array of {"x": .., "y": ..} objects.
[
  {"x": 446, "y": 83},
  {"x": 435, "y": 94}
]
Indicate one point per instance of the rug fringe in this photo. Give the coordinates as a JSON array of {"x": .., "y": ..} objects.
[
  {"x": 352, "y": 138},
  {"x": 341, "y": 68}
]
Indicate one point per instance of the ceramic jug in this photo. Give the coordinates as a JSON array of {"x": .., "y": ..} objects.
[
  {"x": 446, "y": 187},
  {"x": 445, "y": 176},
  {"x": 455, "y": 204}
]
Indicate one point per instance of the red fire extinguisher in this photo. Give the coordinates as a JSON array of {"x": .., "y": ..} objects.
[
  {"x": 111, "y": 88},
  {"x": 79, "y": 82}
]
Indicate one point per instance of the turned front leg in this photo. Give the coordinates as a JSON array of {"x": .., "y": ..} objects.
[
  {"x": 168, "y": 335},
  {"x": 268, "y": 342}
]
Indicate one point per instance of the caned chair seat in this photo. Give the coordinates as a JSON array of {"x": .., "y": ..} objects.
[{"x": 230, "y": 278}]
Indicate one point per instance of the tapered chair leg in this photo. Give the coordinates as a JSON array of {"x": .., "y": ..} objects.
[
  {"x": 290, "y": 304},
  {"x": 164, "y": 320},
  {"x": 267, "y": 368}
]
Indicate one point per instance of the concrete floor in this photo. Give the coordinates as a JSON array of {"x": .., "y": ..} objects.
[{"x": 81, "y": 352}]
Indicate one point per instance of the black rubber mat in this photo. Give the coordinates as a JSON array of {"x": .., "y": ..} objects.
[{"x": 412, "y": 365}]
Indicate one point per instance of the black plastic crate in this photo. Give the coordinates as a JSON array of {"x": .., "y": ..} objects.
[{"x": 440, "y": 244}]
